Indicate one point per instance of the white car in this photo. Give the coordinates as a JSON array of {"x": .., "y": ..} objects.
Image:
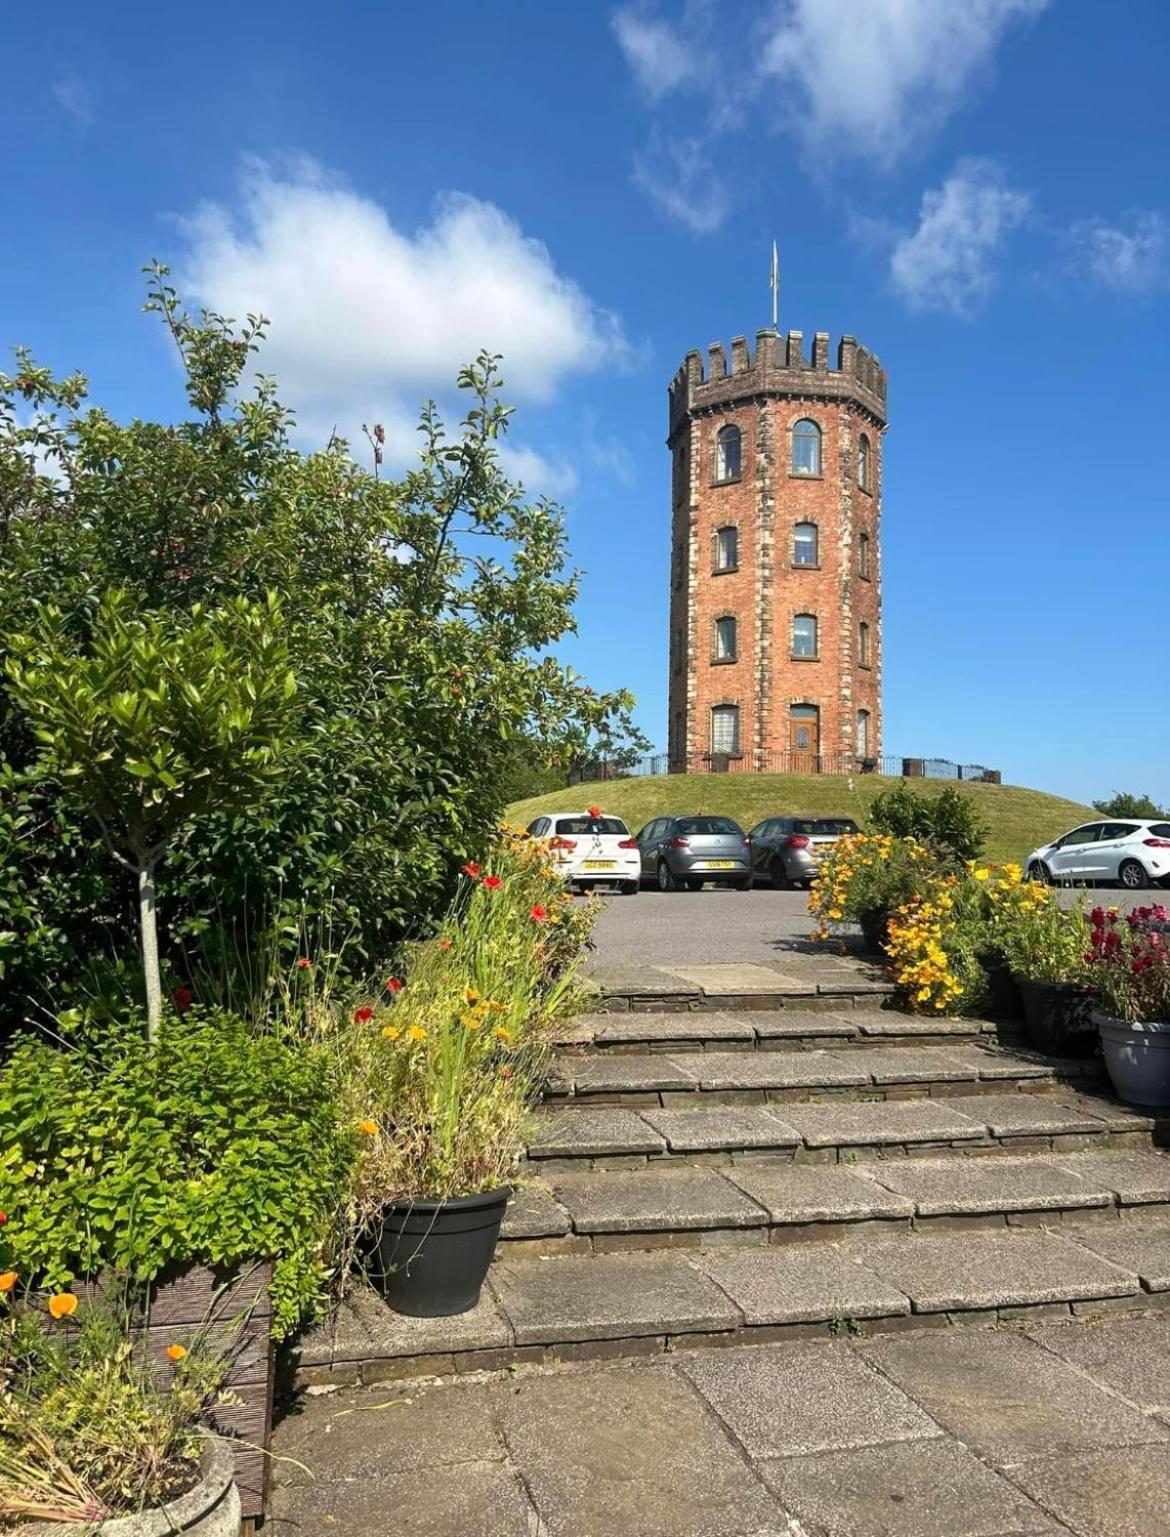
[
  {"x": 592, "y": 850},
  {"x": 1133, "y": 853}
]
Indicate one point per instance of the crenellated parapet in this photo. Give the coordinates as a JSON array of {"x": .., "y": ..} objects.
[{"x": 779, "y": 367}]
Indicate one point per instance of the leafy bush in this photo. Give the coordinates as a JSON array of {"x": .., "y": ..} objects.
[
  {"x": 215, "y": 1146},
  {"x": 866, "y": 873},
  {"x": 947, "y": 824},
  {"x": 1039, "y": 940},
  {"x": 1122, "y": 803},
  {"x": 934, "y": 944}
]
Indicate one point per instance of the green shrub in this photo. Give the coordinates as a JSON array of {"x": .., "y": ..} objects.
[
  {"x": 216, "y": 1146},
  {"x": 948, "y": 823}
]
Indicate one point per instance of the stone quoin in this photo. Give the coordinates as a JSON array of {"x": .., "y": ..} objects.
[{"x": 775, "y": 584}]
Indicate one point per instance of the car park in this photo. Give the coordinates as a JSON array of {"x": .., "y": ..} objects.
[
  {"x": 684, "y": 852},
  {"x": 589, "y": 849},
  {"x": 1130, "y": 852},
  {"x": 788, "y": 850}
]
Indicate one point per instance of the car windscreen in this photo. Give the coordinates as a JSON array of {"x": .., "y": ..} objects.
[
  {"x": 824, "y": 827},
  {"x": 570, "y": 827},
  {"x": 698, "y": 827}
]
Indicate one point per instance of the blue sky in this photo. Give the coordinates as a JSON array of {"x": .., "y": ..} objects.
[{"x": 977, "y": 189}]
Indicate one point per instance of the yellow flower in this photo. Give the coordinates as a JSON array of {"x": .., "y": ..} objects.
[
  {"x": 981, "y": 875},
  {"x": 415, "y": 1033},
  {"x": 471, "y": 995},
  {"x": 502, "y": 1034},
  {"x": 176, "y": 1352},
  {"x": 469, "y": 1021},
  {"x": 63, "y": 1305},
  {"x": 391, "y": 1032},
  {"x": 834, "y": 912},
  {"x": 370, "y": 1128},
  {"x": 8, "y": 1280},
  {"x": 497, "y": 1008}
]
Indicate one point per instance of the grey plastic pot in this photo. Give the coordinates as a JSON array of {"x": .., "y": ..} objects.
[
  {"x": 210, "y": 1509},
  {"x": 1137, "y": 1057}
]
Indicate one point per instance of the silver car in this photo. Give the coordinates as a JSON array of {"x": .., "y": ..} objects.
[
  {"x": 788, "y": 850},
  {"x": 683, "y": 852},
  {"x": 1135, "y": 854}
]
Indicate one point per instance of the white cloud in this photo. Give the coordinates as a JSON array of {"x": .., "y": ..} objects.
[
  {"x": 679, "y": 174},
  {"x": 1133, "y": 258},
  {"x": 948, "y": 263},
  {"x": 657, "y": 52},
  {"x": 367, "y": 319},
  {"x": 867, "y": 77},
  {"x": 545, "y": 477},
  {"x": 74, "y": 97}
]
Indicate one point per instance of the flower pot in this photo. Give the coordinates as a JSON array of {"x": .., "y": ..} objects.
[
  {"x": 874, "y": 923},
  {"x": 432, "y": 1256},
  {"x": 1058, "y": 1018},
  {"x": 1138, "y": 1059},
  {"x": 1003, "y": 992},
  {"x": 210, "y": 1509}
]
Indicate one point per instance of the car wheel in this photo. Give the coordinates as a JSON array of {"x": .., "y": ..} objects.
[
  {"x": 666, "y": 880},
  {"x": 693, "y": 885},
  {"x": 629, "y": 888},
  {"x": 1039, "y": 871},
  {"x": 1132, "y": 875},
  {"x": 780, "y": 881}
]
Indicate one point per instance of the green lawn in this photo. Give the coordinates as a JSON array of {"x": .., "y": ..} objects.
[{"x": 1018, "y": 820}]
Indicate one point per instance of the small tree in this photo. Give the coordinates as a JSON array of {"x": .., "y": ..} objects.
[
  {"x": 1124, "y": 804},
  {"x": 150, "y": 722},
  {"x": 947, "y": 823}
]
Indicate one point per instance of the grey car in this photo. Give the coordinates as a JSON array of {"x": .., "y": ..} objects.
[
  {"x": 787, "y": 850},
  {"x": 683, "y": 852}
]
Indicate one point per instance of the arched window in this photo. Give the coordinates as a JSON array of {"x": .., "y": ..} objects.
[
  {"x": 863, "y": 744},
  {"x": 863, "y": 644},
  {"x": 728, "y": 446},
  {"x": 726, "y": 548},
  {"x": 806, "y": 448},
  {"x": 804, "y": 635},
  {"x": 805, "y": 551},
  {"x": 725, "y": 639},
  {"x": 864, "y": 468},
  {"x": 863, "y": 555},
  {"x": 725, "y": 728}
]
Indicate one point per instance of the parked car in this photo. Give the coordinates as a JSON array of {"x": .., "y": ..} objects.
[
  {"x": 787, "y": 850},
  {"x": 682, "y": 851},
  {"x": 591, "y": 851},
  {"x": 1133, "y": 853}
]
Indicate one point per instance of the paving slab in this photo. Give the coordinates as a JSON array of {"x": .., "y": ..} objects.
[
  {"x": 635, "y": 979},
  {"x": 1136, "y": 1178},
  {"x": 968, "y": 1186},
  {"x": 1031, "y": 1115},
  {"x": 988, "y": 1270},
  {"x": 609, "y": 1074},
  {"x": 623, "y": 1452},
  {"x": 714, "y": 1070},
  {"x": 1144, "y": 1251},
  {"x": 469, "y": 1499},
  {"x": 884, "y": 1122},
  {"x": 798, "y": 1192},
  {"x": 1131, "y": 1356},
  {"x": 581, "y": 1133},
  {"x": 916, "y": 1064},
  {"x": 717, "y": 1127},
  {"x": 701, "y": 1025},
  {"x": 1005, "y": 1397},
  {"x": 723, "y": 980},
  {"x": 345, "y": 1435},
  {"x": 788, "y": 1024},
  {"x": 532, "y": 1213},
  {"x": 607, "y": 1296},
  {"x": 1111, "y": 1112},
  {"x": 1123, "y": 1492},
  {"x": 664, "y": 1198},
  {"x": 784, "y": 1400},
  {"x": 992, "y": 1063},
  {"x": 364, "y": 1326},
  {"x": 883, "y": 1022},
  {"x": 907, "y": 1489},
  {"x": 802, "y": 1284}
]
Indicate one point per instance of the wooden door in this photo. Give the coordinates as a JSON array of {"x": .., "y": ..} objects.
[{"x": 804, "y": 740}]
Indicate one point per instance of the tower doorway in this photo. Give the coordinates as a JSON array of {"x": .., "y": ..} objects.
[{"x": 804, "y": 739}]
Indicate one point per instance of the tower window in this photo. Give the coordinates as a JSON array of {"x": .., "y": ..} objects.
[
  {"x": 864, "y": 467},
  {"x": 725, "y": 639},
  {"x": 805, "y": 551},
  {"x": 726, "y": 548},
  {"x": 806, "y": 448},
  {"x": 725, "y": 728},
  {"x": 863, "y": 655},
  {"x": 863, "y": 734},
  {"x": 804, "y": 635},
  {"x": 728, "y": 453},
  {"x": 863, "y": 557}
]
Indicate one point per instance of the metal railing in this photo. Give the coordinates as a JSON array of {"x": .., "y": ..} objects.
[{"x": 755, "y": 762}]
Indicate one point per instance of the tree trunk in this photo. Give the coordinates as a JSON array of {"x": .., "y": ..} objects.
[{"x": 148, "y": 920}]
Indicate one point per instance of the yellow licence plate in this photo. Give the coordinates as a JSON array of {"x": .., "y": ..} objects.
[
  {"x": 597, "y": 864},
  {"x": 719, "y": 864}
]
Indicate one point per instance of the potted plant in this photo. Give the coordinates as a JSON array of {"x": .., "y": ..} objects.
[
  {"x": 864, "y": 878},
  {"x": 1129, "y": 969},
  {"x": 1045, "y": 949}
]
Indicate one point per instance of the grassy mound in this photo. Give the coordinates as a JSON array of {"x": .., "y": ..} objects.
[{"x": 1017, "y": 820}]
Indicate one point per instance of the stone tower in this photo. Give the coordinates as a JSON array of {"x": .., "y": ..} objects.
[{"x": 775, "y": 584}]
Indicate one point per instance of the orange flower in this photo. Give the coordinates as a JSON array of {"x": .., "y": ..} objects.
[
  {"x": 369, "y": 1127},
  {"x": 304, "y": 963},
  {"x": 7, "y": 1280},
  {"x": 444, "y": 944},
  {"x": 471, "y": 870},
  {"x": 63, "y": 1305},
  {"x": 176, "y": 1352},
  {"x": 539, "y": 914},
  {"x": 594, "y": 811}
]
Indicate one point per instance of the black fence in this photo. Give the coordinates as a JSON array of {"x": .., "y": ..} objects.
[{"x": 785, "y": 763}]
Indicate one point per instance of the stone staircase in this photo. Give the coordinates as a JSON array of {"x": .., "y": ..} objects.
[{"x": 742, "y": 1175}]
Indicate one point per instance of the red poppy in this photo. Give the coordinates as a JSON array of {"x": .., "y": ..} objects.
[
  {"x": 361, "y": 1015},
  {"x": 304, "y": 963},
  {"x": 3, "y": 1218},
  {"x": 471, "y": 870},
  {"x": 394, "y": 985},
  {"x": 182, "y": 998},
  {"x": 492, "y": 882},
  {"x": 594, "y": 811},
  {"x": 539, "y": 914}
]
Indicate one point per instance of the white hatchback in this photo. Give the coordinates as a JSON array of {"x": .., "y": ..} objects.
[
  {"x": 1135, "y": 854},
  {"x": 591, "y": 850}
]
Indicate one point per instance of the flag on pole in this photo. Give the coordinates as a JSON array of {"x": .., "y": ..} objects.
[{"x": 774, "y": 284}]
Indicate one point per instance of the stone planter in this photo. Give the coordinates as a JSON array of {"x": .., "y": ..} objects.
[
  {"x": 874, "y": 924},
  {"x": 210, "y": 1509},
  {"x": 1058, "y": 1018},
  {"x": 433, "y": 1256},
  {"x": 1138, "y": 1059}
]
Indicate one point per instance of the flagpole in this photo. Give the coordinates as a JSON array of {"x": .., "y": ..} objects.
[{"x": 775, "y": 286}]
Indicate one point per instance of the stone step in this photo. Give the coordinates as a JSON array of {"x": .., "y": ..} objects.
[
  {"x": 543, "y": 1311},
  {"x": 674, "y": 1080},
  {"x": 765, "y": 1030},
  {"x": 608, "y": 1137},
  {"x": 676, "y": 1204},
  {"x": 805, "y": 978}
]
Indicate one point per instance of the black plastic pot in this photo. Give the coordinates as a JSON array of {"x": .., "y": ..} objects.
[
  {"x": 432, "y": 1256},
  {"x": 1003, "y": 992},
  {"x": 874, "y": 923},
  {"x": 1058, "y": 1018}
]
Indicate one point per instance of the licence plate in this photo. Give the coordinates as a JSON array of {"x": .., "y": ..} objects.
[
  {"x": 597, "y": 864},
  {"x": 719, "y": 864}
]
